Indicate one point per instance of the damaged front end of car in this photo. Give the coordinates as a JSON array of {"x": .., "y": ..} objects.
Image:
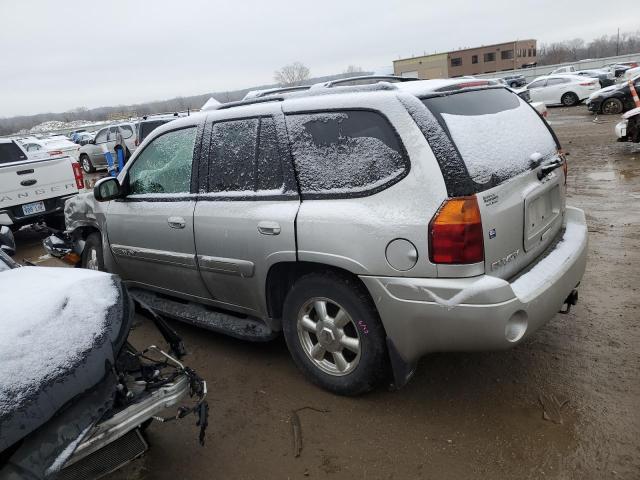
[{"x": 89, "y": 419}]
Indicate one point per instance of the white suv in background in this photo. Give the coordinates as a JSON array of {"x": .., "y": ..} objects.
[{"x": 567, "y": 90}]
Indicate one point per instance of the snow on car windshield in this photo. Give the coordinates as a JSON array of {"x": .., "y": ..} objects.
[
  {"x": 48, "y": 323},
  {"x": 497, "y": 134}
]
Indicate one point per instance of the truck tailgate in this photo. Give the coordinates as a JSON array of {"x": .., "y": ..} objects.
[{"x": 35, "y": 180}]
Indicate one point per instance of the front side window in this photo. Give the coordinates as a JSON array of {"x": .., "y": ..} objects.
[
  {"x": 345, "y": 152},
  {"x": 164, "y": 166},
  {"x": 101, "y": 137}
]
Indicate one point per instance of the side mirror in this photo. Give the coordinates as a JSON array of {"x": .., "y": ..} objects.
[
  {"x": 107, "y": 189},
  {"x": 7, "y": 242}
]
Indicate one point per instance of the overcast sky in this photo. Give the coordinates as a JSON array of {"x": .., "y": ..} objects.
[{"x": 58, "y": 55}]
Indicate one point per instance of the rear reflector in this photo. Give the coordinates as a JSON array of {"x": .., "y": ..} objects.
[
  {"x": 455, "y": 232},
  {"x": 77, "y": 174}
]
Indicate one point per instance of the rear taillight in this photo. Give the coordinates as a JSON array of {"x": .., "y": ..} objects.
[
  {"x": 77, "y": 174},
  {"x": 455, "y": 232},
  {"x": 544, "y": 114},
  {"x": 54, "y": 153},
  {"x": 137, "y": 142},
  {"x": 588, "y": 84}
]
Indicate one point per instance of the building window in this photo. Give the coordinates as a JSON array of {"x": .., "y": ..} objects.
[
  {"x": 529, "y": 53},
  {"x": 506, "y": 54},
  {"x": 490, "y": 57},
  {"x": 474, "y": 58},
  {"x": 456, "y": 62},
  {"x": 534, "y": 52}
]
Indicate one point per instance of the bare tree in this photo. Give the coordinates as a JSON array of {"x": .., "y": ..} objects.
[
  {"x": 353, "y": 69},
  {"x": 292, "y": 74}
]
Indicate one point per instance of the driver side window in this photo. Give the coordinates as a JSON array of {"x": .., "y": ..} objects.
[{"x": 164, "y": 166}]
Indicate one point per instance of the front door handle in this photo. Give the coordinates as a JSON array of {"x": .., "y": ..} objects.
[
  {"x": 176, "y": 222},
  {"x": 269, "y": 228}
]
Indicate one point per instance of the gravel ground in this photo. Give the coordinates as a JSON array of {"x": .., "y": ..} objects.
[{"x": 474, "y": 415}]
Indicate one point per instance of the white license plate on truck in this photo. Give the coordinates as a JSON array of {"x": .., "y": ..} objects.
[{"x": 31, "y": 208}]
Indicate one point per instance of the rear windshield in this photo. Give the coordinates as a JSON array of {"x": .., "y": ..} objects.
[
  {"x": 10, "y": 152},
  {"x": 497, "y": 134},
  {"x": 147, "y": 127}
]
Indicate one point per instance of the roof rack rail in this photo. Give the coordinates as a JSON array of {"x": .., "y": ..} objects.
[
  {"x": 249, "y": 101},
  {"x": 372, "y": 78},
  {"x": 175, "y": 114},
  {"x": 273, "y": 91}
]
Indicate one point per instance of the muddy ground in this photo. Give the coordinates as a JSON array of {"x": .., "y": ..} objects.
[{"x": 469, "y": 415}]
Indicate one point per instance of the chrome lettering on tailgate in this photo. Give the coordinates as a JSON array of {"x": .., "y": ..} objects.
[{"x": 504, "y": 260}]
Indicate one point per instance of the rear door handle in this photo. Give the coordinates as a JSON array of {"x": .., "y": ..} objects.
[
  {"x": 176, "y": 222},
  {"x": 269, "y": 228}
]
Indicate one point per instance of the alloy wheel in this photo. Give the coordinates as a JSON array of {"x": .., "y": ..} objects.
[{"x": 329, "y": 336}]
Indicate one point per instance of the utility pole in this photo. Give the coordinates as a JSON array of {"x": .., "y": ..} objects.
[{"x": 618, "y": 43}]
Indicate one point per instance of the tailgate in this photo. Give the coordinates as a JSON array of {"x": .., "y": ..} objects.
[
  {"x": 36, "y": 180},
  {"x": 520, "y": 218},
  {"x": 515, "y": 171}
]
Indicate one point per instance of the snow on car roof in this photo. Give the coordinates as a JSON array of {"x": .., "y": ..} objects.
[
  {"x": 48, "y": 324},
  {"x": 422, "y": 87}
]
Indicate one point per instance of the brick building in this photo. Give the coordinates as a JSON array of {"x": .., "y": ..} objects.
[{"x": 469, "y": 61}]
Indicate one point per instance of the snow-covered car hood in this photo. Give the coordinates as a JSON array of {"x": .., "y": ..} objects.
[{"x": 57, "y": 341}]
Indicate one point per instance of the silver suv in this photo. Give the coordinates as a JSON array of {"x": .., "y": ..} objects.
[{"x": 371, "y": 224}]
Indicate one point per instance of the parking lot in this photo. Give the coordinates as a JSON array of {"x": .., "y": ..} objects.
[{"x": 563, "y": 405}]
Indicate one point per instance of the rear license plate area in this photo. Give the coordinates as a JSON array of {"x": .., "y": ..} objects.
[
  {"x": 542, "y": 214},
  {"x": 33, "y": 208}
]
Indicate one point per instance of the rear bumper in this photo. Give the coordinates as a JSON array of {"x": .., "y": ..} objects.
[
  {"x": 14, "y": 216},
  {"x": 424, "y": 315}
]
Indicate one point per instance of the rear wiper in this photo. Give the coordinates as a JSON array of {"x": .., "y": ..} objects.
[{"x": 547, "y": 169}]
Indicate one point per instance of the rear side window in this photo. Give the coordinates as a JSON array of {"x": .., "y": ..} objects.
[
  {"x": 497, "y": 134},
  {"x": 147, "y": 127},
  {"x": 10, "y": 152},
  {"x": 244, "y": 157},
  {"x": 345, "y": 153}
]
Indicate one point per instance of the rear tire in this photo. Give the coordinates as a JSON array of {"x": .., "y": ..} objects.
[
  {"x": 612, "y": 106},
  {"x": 92, "y": 258},
  {"x": 86, "y": 164},
  {"x": 513, "y": 84},
  {"x": 340, "y": 346},
  {"x": 569, "y": 99}
]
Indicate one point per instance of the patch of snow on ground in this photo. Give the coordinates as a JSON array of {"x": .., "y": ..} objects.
[{"x": 47, "y": 323}]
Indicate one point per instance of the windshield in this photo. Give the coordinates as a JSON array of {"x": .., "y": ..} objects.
[{"x": 497, "y": 134}]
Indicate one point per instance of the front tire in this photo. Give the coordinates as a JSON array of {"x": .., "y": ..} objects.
[
  {"x": 569, "y": 99},
  {"x": 612, "y": 106},
  {"x": 86, "y": 164},
  {"x": 92, "y": 258},
  {"x": 334, "y": 333}
]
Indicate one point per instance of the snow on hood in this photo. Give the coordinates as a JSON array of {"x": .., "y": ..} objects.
[
  {"x": 48, "y": 322},
  {"x": 610, "y": 88}
]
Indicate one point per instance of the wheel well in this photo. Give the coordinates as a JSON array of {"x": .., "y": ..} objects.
[{"x": 282, "y": 276}]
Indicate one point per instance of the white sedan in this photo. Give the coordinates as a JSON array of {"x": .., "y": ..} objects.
[{"x": 567, "y": 90}]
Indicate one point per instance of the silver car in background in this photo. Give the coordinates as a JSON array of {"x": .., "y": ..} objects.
[{"x": 371, "y": 224}]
